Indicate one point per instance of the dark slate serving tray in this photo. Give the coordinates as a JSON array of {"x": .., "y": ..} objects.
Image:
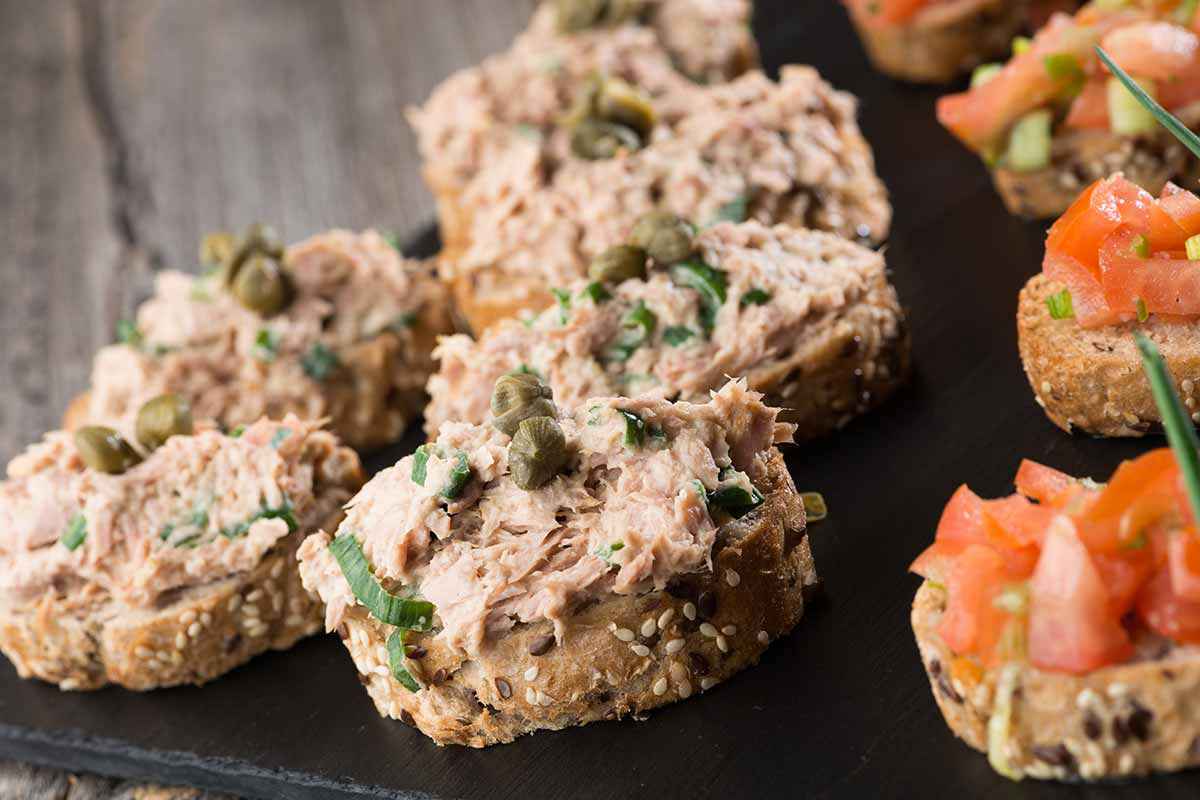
[{"x": 841, "y": 707}]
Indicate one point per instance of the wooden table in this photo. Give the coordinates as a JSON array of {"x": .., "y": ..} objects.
[{"x": 131, "y": 128}]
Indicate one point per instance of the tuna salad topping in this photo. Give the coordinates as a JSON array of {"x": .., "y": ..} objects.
[
  {"x": 271, "y": 331},
  {"x": 197, "y": 509},
  {"x": 744, "y": 301},
  {"x": 638, "y": 500}
]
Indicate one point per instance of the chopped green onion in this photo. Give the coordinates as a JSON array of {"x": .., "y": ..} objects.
[
  {"x": 635, "y": 428},
  {"x": 815, "y": 509},
  {"x": 1064, "y": 67},
  {"x": 1029, "y": 142},
  {"x": 1165, "y": 118},
  {"x": 1140, "y": 246},
  {"x": 984, "y": 73},
  {"x": 676, "y": 335},
  {"x": 525, "y": 369},
  {"x": 395, "y": 649},
  {"x": 414, "y": 615},
  {"x": 128, "y": 333},
  {"x": 735, "y": 500},
  {"x": 420, "y": 464},
  {"x": 564, "y": 304},
  {"x": 392, "y": 239},
  {"x": 166, "y": 531},
  {"x": 284, "y": 512},
  {"x": 1060, "y": 305},
  {"x": 595, "y": 292},
  {"x": 266, "y": 345},
  {"x": 237, "y": 432},
  {"x": 999, "y": 725},
  {"x": 75, "y": 533},
  {"x": 935, "y": 585},
  {"x": 279, "y": 437},
  {"x": 1127, "y": 116},
  {"x": 709, "y": 282},
  {"x": 1014, "y": 599},
  {"x": 736, "y": 210},
  {"x": 606, "y": 551},
  {"x": 1143, "y": 313},
  {"x": 403, "y": 321},
  {"x": 199, "y": 517},
  {"x": 1175, "y": 420},
  {"x": 460, "y": 474},
  {"x": 1193, "y": 248},
  {"x": 755, "y": 297},
  {"x": 640, "y": 322},
  {"x": 319, "y": 362},
  {"x": 1021, "y": 44}
]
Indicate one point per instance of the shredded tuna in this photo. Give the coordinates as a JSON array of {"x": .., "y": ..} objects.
[{"x": 621, "y": 519}]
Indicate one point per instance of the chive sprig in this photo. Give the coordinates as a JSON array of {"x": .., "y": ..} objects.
[
  {"x": 1168, "y": 120},
  {"x": 1176, "y": 422}
]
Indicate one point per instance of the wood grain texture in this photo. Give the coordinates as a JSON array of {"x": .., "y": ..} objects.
[{"x": 129, "y": 129}]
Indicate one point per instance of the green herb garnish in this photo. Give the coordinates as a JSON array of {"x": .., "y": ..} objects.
[
  {"x": 595, "y": 292},
  {"x": 639, "y": 325},
  {"x": 1166, "y": 118},
  {"x": 392, "y": 239},
  {"x": 676, "y": 335},
  {"x": 319, "y": 362},
  {"x": 735, "y": 500},
  {"x": 395, "y": 648},
  {"x": 564, "y": 304},
  {"x": 605, "y": 552},
  {"x": 283, "y": 512},
  {"x": 237, "y": 432},
  {"x": 75, "y": 533},
  {"x": 266, "y": 345},
  {"x": 1065, "y": 67},
  {"x": 1193, "y": 246},
  {"x": 387, "y": 608},
  {"x": 1143, "y": 313},
  {"x": 1140, "y": 246},
  {"x": 635, "y": 428},
  {"x": 1060, "y": 305},
  {"x": 460, "y": 474},
  {"x": 279, "y": 437},
  {"x": 1175, "y": 419},
  {"x": 815, "y": 509},
  {"x": 736, "y": 210},
  {"x": 420, "y": 464},
  {"x": 128, "y": 333},
  {"x": 709, "y": 282},
  {"x": 755, "y": 297}
]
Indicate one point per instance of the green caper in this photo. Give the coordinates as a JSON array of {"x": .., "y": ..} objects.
[
  {"x": 217, "y": 247},
  {"x": 579, "y": 15},
  {"x": 518, "y": 397},
  {"x": 161, "y": 418},
  {"x": 262, "y": 286},
  {"x": 619, "y": 102},
  {"x": 595, "y": 139},
  {"x": 257, "y": 240},
  {"x": 103, "y": 449},
  {"x": 619, "y": 263},
  {"x": 537, "y": 452},
  {"x": 664, "y": 236}
]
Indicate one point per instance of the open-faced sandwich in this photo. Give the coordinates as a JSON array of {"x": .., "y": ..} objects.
[
  {"x": 165, "y": 559},
  {"x": 1059, "y": 626},
  {"x": 807, "y": 317},
  {"x": 1118, "y": 261},
  {"x": 336, "y": 327},
  {"x": 551, "y": 568},
  {"x": 933, "y": 41},
  {"x": 1053, "y": 119}
]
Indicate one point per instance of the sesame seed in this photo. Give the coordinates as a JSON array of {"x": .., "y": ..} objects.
[
  {"x": 1188, "y": 385},
  {"x": 531, "y": 673},
  {"x": 205, "y": 618},
  {"x": 544, "y": 699},
  {"x": 732, "y": 578},
  {"x": 250, "y": 610},
  {"x": 257, "y": 630},
  {"x": 194, "y": 629},
  {"x": 294, "y": 620},
  {"x": 234, "y": 603},
  {"x": 707, "y": 683},
  {"x": 69, "y": 683},
  {"x": 1087, "y": 697},
  {"x": 181, "y": 640},
  {"x": 277, "y": 604},
  {"x": 1046, "y": 387},
  {"x": 624, "y": 634},
  {"x": 708, "y": 629},
  {"x": 685, "y": 690},
  {"x": 640, "y": 649},
  {"x": 1117, "y": 689},
  {"x": 677, "y": 671},
  {"x": 649, "y": 626},
  {"x": 674, "y": 646},
  {"x": 689, "y": 610},
  {"x": 1196, "y": 417},
  {"x": 254, "y": 596},
  {"x": 722, "y": 644},
  {"x": 729, "y": 630},
  {"x": 664, "y": 619},
  {"x": 277, "y": 570},
  {"x": 531, "y": 696},
  {"x": 764, "y": 637},
  {"x": 660, "y": 687},
  {"x": 612, "y": 626},
  {"x": 163, "y": 656},
  {"x": 187, "y": 617}
]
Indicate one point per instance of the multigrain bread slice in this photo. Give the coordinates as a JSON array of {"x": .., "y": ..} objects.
[
  {"x": 1092, "y": 380},
  {"x": 825, "y": 339},
  {"x": 144, "y": 602},
  {"x": 942, "y": 41},
  {"x": 1138, "y": 717},
  {"x": 625, "y": 655}
]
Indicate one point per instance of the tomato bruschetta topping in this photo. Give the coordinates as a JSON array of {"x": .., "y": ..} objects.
[{"x": 1063, "y": 573}]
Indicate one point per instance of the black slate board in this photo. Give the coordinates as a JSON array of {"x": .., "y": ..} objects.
[{"x": 840, "y": 708}]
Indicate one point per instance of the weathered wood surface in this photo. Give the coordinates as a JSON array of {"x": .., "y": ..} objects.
[{"x": 128, "y": 129}]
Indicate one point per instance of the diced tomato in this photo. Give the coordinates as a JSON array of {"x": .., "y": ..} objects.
[
  {"x": 1183, "y": 560},
  {"x": 1090, "y": 109},
  {"x": 964, "y": 522},
  {"x": 973, "y": 623},
  {"x": 1021, "y": 520},
  {"x": 1182, "y": 206},
  {"x": 886, "y": 12},
  {"x": 1139, "y": 493},
  {"x": 1123, "y": 575},
  {"x": 1087, "y": 294},
  {"x": 1039, "y": 482},
  {"x": 1071, "y": 625},
  {"x": 1160, "y": 51},
  {"x": 1167, "y": 613},
  {"x": 1165, "y": 285}
]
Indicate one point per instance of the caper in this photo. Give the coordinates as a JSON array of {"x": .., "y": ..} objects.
[
  {"x": 518, "y": 397},
  {"x": 664, "y": 236},
  {"x": 103, "y": 449},
  {"x": 161, "y": 418},
  {"x": 595, "y": 139},
  {"x": 262, "y": 286},
  {"x": 217, "y": 247},
  {"x": 258, "y": 239},
  {"x": 619, "y": 263},
  {"x": 621, "y": 103},
  {"x": 578, "y": 15},
  {"x": 537, "y": 452}
]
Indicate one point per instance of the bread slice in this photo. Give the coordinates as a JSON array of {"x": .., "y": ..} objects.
[
  {"x": 1092, "y": 380},
  {"x": 944, "y": 41},
  {"x": 1079, "y": 158},
  {"x": 1130, "y": 719},
  {"x": 697, "y": 633}
]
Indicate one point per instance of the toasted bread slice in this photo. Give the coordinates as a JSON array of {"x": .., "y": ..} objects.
[
  {"x": 944, "y": 41},
  {"x": 1129, "y": 719},
  {"x": 696, "y": 634},
  {"x": 1092, "y": 380}
]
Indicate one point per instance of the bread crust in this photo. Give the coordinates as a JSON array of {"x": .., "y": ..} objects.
[
  {"x": 1092, "y": 380},
  {"x": 1129, "y": 719},
  {"x": 941, "y": 46},
  {"x": 762, "y": 571}
]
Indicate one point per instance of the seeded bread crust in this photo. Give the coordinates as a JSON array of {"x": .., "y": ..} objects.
[
  {"x": 695, "y": 635},
  {"x": 80, "y": 637},
  {"x": 942, "y": 46},
  {"x": 1092, "y": 380},
  {"x": 1130, "y": 719},
  {"x": 376, "y": 393}
]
